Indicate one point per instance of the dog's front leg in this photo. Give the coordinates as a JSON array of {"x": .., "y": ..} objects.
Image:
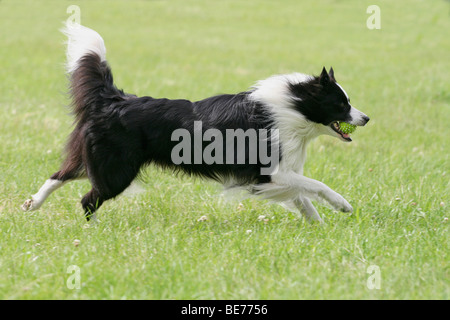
[
  {"x": 311, "y": 188},
  {"x": 306, "y": 208}
]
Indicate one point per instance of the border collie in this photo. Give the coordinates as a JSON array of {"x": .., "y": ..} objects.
[{"x": 117, "y": 134}]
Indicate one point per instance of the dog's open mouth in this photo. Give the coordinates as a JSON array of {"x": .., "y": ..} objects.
[{"x": 336, "y": 127}]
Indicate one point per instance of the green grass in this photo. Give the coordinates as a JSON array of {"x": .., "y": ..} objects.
[{"x": 151, "y": 246}]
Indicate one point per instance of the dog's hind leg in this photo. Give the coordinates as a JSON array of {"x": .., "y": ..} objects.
[
  {"x": 109, "y": 178},
  {"x": 95, "y": 198},
  {"x": 91, "y": 202},
  {"x": 56, "y": 181},
  {"x": 38, "y": 198},
  {"x": 71, "y": 169}
]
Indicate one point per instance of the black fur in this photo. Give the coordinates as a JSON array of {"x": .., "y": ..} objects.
[
  {"x": 321, "y": 100},
  {"x": 116, "y": 134}
]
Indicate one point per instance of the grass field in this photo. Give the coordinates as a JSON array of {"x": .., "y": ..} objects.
[{"x": 152, "y": 245}]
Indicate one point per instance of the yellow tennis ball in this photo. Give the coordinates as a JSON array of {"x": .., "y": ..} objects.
[{"x": 347, "y": 127}]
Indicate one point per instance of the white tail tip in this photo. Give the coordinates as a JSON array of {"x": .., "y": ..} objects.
[{"x": 81, "y": 41}]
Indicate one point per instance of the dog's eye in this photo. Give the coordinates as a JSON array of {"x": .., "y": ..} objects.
[{"x": 342, "y": 105}]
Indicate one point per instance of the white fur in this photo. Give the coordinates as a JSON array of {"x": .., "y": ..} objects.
[
  {"x": 295, "y": 132},
  {"x": 38, "y": 199},
  {"x": 288, "y": 185},
  {"x": 305, "y": 206},
  {"x": 274, "y": 91},
  {"x": 357, "y": 117},
  {"x": 81, "y": 41}
]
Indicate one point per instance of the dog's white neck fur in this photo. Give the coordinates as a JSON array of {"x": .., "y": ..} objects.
[{"x": 295, "y": 131}]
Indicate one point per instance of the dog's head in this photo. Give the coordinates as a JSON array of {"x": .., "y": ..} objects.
[
  {"x": 307, "y": 104},
  {"x": 323, "y": 101}
]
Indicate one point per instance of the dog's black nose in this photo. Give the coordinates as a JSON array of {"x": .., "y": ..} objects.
[{"x": 366, "y": 119}]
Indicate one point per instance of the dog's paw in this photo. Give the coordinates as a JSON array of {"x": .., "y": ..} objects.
[
  {"x": 346, "y": 207},
  {"x": 30, "y": 205},
  {"x": 339, "y": 203},
  {"x": 315, "y": 220}
]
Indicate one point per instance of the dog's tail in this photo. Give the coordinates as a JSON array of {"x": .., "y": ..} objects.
[{"x": 91, "y": 81}]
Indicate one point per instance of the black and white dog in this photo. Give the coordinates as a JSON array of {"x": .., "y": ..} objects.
[{"x": 117, "y": 134}]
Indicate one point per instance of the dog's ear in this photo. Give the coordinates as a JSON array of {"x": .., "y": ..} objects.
[
  {"x": 324, "y": 78},
  {"x": 331, "y": 74}
]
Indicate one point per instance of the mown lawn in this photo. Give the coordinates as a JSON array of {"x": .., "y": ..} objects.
[{"x": 152, "y": 245}]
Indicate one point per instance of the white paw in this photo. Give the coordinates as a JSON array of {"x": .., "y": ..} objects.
[
  {"x": 339, "y": 203},
  {"x": 30, "y": 205},
  {"x": 346, "y": 207},
  {"x": 315, "y": 220}
]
